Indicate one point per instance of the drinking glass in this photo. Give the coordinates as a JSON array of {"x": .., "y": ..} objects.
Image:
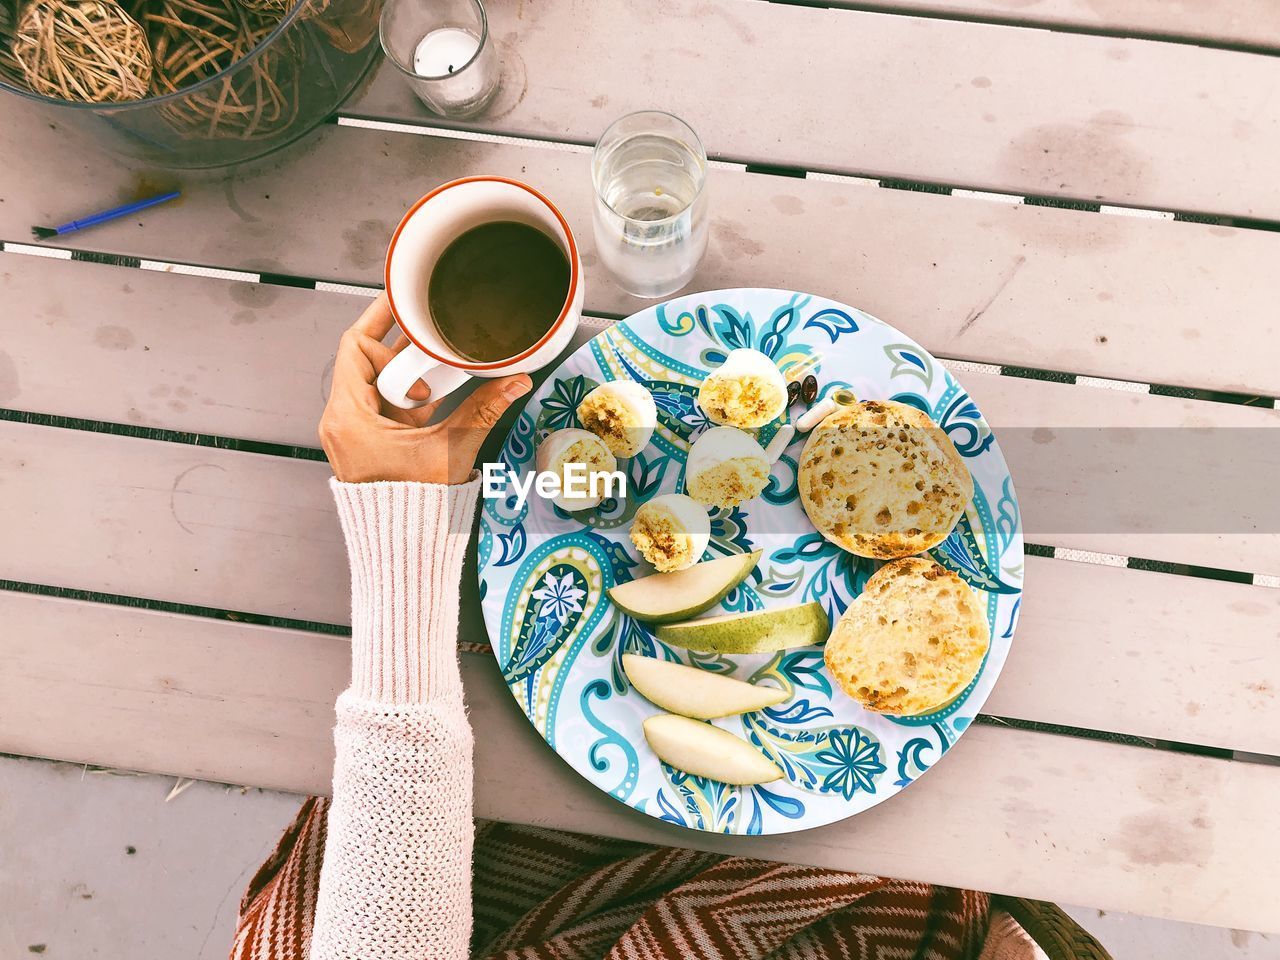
[
  {"x": 443, "y": 49},
  {"x": 649, "y": 171}
]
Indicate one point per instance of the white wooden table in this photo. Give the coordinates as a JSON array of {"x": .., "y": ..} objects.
[{"x": 175, "y": 589}]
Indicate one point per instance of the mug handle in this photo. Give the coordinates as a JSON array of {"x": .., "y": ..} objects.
[{"x": 408, "y": 367}]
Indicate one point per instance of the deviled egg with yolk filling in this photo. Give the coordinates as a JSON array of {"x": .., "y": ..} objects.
[
  {"x": 573, "y": 446},
  {"x": 746, "y": 391},
  {"x": 726, "y": 466},
  {"x": 671, "y": 532},
  {"x": 622, "y": 414}
]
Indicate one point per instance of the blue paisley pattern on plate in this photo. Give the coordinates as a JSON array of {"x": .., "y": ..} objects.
[{"x": 544, "y": 572}]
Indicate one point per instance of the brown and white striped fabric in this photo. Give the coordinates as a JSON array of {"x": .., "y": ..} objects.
[{"x": 544, "y": 895}]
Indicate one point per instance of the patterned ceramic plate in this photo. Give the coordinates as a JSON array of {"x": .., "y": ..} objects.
[{"x": 559, "y": 640}]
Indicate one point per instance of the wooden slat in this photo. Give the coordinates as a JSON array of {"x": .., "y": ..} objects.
[
  {"x": 202, "y": 374},
  {"x": 1034, "y": 286},
  {"x": 1248, "y": 23},
  {"x": 180, "y": 353},
  {"x": 1055, "y": 818},
  {"x": 258, "y": 534},
  {"x": 993, "y": 107}
]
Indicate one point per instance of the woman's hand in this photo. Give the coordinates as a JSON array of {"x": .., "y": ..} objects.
[{"x": 366, "y": 439}]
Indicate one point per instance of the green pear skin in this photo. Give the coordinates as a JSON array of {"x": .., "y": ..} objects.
[
  {"x": 667, "y": 597},
  {"x": 759, "y": 631}
]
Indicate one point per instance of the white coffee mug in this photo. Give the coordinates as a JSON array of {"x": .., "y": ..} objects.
[{"x": 427, "y": 229}]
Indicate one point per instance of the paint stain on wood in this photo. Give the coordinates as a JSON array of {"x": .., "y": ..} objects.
[
  {"x": 9, "y": 387},
  {"x": 1155, "y": 839},
  {"x": 1243, "y": 129},
  {"x": 1025, "y": 817},
  {"x": 1251, "y": 608},
  {"x": 1089, "y": 160},
  {"x": 253, "y": 294},
  {"x": 732, "y": 240},
  {"x": 1042, "y": 435},
  {"x": 788, "y": 206},
  {"x": 111, "y": 337},
  {"x": 150, "y": 184},
  {"x": 366, "y": 242}
]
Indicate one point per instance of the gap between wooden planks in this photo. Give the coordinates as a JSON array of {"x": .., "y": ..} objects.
[
  {"x": 1153, "y": 655},
  {"x": 990, "y": 107},
  {"x": 1030, "y": 814},
  {"x": 1177, "y": 303},
  {"x": 201, "y": 370},
  {"x": 1247, "y": 23}
]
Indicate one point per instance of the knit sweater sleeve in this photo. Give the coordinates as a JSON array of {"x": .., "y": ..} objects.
[{"x": 396, "y": 877}]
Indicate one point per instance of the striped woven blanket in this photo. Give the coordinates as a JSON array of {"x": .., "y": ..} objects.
[{"x": 545, "y": 895}]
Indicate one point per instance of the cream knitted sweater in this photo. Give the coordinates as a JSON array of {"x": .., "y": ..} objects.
[{"x": 396, "y": 878}]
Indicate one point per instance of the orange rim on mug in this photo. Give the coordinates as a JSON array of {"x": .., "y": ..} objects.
[{"x": 569, "y": 295}]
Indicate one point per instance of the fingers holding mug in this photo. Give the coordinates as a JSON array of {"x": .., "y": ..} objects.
[
  {"x": 419, "y": 390},
  {"x": 382, "y": 354},
  {"x": 377, "y": 319}
]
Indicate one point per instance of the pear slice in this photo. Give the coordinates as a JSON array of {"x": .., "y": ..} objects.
[
  {"x": 706, "y": 751},
  {"x": 758, "y": 631},
  {"x": 664, "y": 597},
  {"x": 692, "y": 692}
]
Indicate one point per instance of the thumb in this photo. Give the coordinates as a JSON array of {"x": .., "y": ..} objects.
[{"x": 470, "y": 423}]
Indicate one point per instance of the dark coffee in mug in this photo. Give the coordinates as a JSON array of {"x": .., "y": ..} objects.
[{"x": 497, "y": 289}]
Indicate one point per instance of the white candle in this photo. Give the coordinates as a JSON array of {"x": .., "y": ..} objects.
[{"x": 444, "y": 51}]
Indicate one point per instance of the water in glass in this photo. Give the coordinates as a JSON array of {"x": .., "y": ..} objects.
[{"x": 650, "y": 218}]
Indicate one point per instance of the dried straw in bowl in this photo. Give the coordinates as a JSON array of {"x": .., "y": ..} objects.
[
  {"x": 193, "y": 40},
  {"x": 348, "y": 25},
  {"x": 86, "y": 50},
  {"x": 277, "y": 8},
  {"x": 10, "y": 70}
]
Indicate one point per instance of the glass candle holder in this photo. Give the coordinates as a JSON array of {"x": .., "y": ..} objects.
[
  {"x": 444, "y": 51},
  {"x": 649, "y": 170}
]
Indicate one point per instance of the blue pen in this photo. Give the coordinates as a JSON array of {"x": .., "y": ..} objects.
[{"x": 44, "y": 233}]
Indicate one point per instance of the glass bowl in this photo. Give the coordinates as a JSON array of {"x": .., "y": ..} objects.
[{"x": 282, "y": 89}]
